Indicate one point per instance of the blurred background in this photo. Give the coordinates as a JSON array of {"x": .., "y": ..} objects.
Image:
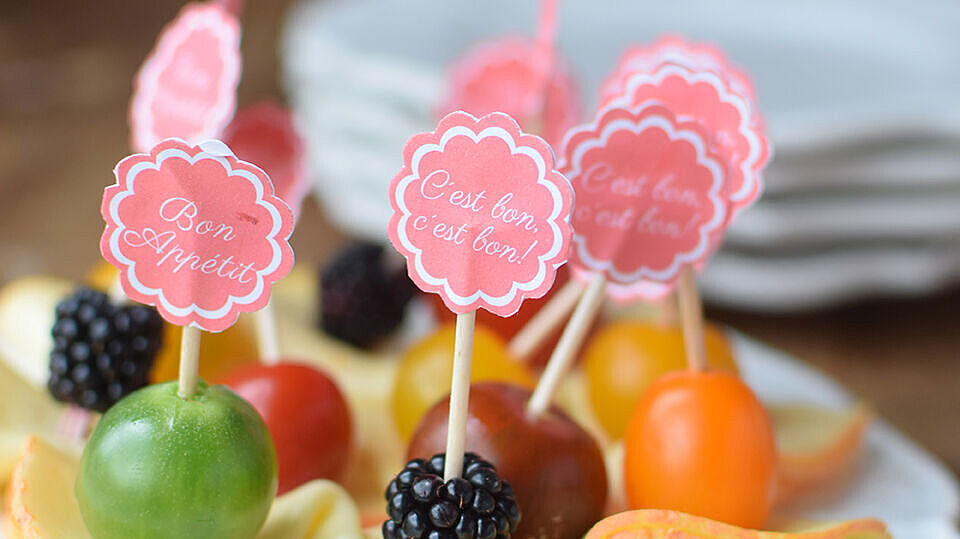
[{"x": 850, "y": 261}]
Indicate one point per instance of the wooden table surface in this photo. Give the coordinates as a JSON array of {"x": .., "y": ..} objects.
[{"x": 65, "y": 80}]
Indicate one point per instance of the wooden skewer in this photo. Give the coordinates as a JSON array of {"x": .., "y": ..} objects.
[
  {"x": 459, "y": 395},
  {"x": 691, "y": 319},
  {"x": 116, "y": 293},
  {"x": 567, "y": 348},
  {"x": 189, "y": 361},
  {"x": 268, "y": 344},
  {"x": 669, "y": 311},
  {"x": 548, "y": 318}
]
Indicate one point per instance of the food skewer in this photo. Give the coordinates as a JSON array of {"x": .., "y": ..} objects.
[
  {"x": 486, "y": 162},
  {"x": 691, "y": 319},
  {"x": 189, "y": 361},
  {"x": 563, "y": 355},
  {"x": 556, "y": 310},
  {"x": 268, "y": 342},
  {"x": 459, "y": 395}
]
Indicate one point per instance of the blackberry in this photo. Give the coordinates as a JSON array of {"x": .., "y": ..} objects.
[
  {"x": 101, "y": 352},
  {"x": 361, "y": 299},
  {"x": 478, "y": 505}
]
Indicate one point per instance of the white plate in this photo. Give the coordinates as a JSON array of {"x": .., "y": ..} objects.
[
  {"x": 778, "y": 282},
  {"x": 898, "y": 481},
  {"x": 857, "y": 95},
  {"x": 829, "y": 75}
]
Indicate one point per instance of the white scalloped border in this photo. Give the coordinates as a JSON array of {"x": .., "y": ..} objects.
[
  {"x": 753, "y": 181},
  {"x": 715, "y": 194},
  {"x": 552, "y": 220},
  {"x": 128, "y": 183},
  {"x": 194, "y": 17}
]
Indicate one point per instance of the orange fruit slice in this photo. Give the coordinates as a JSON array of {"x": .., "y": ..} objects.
[
  {"x": 40, "y": 503},
  {"x": 659, "y": 523},
  {"x": 817, "y": 447}
]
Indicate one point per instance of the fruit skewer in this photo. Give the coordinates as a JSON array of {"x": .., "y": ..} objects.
[
  {"x": 487, "y": 262},
  {"x": 189, "y": 376},
  {"x": 691, "y": 320},
  {"x": 573, "y": 335},
  {"x": 268, "y": 342},
  {"x": 542, "y": 324},
  {"x": 459, "y": 395}
]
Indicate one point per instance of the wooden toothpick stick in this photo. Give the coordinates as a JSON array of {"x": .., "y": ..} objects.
[
  {"x": 691, "y": 319},
  {"x": 268, "y": 344},
  {"x": 548, "y": 318},
  {"x": 459, "y": 395},
  {"x": 116, "y": 294},
  {"x": 569, "y": 343},
  {"x": 189, "y": 361}
]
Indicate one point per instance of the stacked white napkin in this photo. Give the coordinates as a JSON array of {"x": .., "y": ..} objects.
[{"x": 861, "y": 99}]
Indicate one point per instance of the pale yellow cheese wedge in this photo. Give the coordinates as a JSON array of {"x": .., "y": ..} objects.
[
  {"x": 817, "y": 447},
  {"x": 40, "y": 502},
  {"x": 320, "y": 509},
  {"x": 27, "y": 313},
  {"x": 24, "y": 409}
]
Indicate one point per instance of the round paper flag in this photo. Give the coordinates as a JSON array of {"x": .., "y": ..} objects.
[
  {"x": 508, "y": 75},
  {"x": 187, "y": 87},
  {"x": 651, "y": 194},
  {"x": 480, "y": 213},
  {"x": 675, "y": 50},
  {"x": 729, "y": 119},
  {"x": 265, "y": 134},
  {"x": 196, "y": 232}
]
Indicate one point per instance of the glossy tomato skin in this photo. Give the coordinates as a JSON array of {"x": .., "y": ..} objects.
[
  {"x": 625, "y": 357},
  {"x": 701, "y": 443},
  {"x": 423, "y": 374},
  {"x": 160, "y": 466},
  {"x": 555, "y": 467},
  {"x": 306, "y": 414}
]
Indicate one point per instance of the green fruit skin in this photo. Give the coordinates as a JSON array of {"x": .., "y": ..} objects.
[{"x": 159, "y": 466}]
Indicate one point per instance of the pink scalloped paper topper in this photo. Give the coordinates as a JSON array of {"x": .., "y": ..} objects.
[
  {"x": 676, "y": 50},
  {"x": 196, "y": 232},
  {"x": 265, "y": 134},
  {"x": 187, "y": 86},
  {"x": 507, "y": 75},
  {"x": 232, "y": 6},
  {"x": 480, "y": 213},
  {"x": 705, "y": 97},
  {"x": 651, "y": 194}
]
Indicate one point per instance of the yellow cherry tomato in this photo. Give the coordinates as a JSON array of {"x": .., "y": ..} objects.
[
  {"x": 423, "y": 375},
  {"x": 625, "y": 357}
]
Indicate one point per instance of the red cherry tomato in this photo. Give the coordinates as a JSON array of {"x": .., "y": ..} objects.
[{"x": 306, "y": 415}]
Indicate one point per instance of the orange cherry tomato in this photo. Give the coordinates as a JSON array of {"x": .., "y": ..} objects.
[
  {"x": 624, "y": 358},
  {"x": 701, "y": 443}
]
